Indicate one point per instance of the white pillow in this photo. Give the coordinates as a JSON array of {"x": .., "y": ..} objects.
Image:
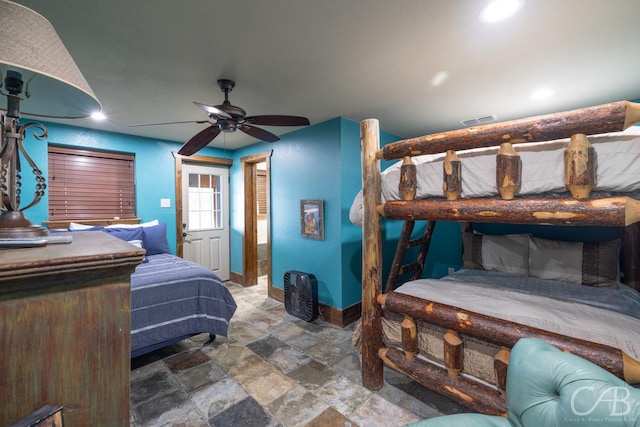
[
  {"x": 137, "y": 243},
  {"x": 78, "y": 226},
  {"x": 144, "y": 224}
]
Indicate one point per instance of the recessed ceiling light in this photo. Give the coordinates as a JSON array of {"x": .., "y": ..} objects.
[
  {"x": 439, "y": 78},
  {"x": 499, "y": 10},
  {"x": 542, "y": 93},
  {"x": 98, "y": 116}
]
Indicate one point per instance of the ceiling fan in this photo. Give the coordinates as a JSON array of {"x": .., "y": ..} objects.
[{"x": 229, "y": 118}]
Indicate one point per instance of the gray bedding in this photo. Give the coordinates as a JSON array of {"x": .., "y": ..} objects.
[
  {"x": 558, "y": 312},
  {"x": 624, "y": 300},
  {"x": 172, "y": 298}
]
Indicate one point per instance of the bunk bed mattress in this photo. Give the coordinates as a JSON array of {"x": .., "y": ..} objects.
[
  {"x": 172, "y": 298},
  {"x": 601, "y": 315},
  {"x": 618, "y": 157}
]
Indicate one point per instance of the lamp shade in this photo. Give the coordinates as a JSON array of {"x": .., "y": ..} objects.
[{"x": 54, "y": 84}]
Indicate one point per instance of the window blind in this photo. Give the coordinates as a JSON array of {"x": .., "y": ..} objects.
[
  {"x": 261, "y": 184},
  {"x": 88, "y": 184}
]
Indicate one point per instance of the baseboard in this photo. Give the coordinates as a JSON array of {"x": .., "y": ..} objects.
[
  {"x": 338, "y": 317},
  {"x": 329, "y": 314},
  {"x": 351, "y": 314},
  {"x": 237, "y": 278},
  {"x": 276, "y": 293}
]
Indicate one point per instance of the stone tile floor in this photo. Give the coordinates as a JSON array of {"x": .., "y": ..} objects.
[{"x": 273, "y": 370}]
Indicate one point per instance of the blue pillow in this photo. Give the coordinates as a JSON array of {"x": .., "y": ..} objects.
[
  {"x": 125, "y": 234},
  {"x": 155, "y": 239}
]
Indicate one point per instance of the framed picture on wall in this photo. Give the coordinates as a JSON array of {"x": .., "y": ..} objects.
[{"x": 312, "y": 219}]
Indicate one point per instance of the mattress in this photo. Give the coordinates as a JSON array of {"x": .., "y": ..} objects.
[
  {"x": 618, "y": 156},
  {"x": 550, "y": 306},
  {"x": 172, "y": 298}
]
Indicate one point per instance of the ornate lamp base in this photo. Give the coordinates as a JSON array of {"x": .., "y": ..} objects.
[{"x": 14, "y": 225}]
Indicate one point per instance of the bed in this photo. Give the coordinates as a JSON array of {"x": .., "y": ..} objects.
[
  {"x": 453, "y": 335},
  {"x": 171, "y": 298}
]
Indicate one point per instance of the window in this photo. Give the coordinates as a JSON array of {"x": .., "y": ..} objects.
[
  {"x": 88, "y": 184},
  {"x": 205, "y": 202}
]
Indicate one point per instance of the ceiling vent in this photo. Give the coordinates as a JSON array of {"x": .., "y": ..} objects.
[{"x": 479, "y": 120}]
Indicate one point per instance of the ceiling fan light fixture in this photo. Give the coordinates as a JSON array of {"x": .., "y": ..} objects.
[
  {"x": 229, "y": 118},
  {"x": 228, "y": 125}
]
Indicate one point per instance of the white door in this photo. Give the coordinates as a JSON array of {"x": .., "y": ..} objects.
[{"x": 205, "y": 198}]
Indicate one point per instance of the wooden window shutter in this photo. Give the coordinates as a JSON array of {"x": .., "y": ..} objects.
[
  {"x": 261, "y": 186},
  {"x": 87, "y": 184}
]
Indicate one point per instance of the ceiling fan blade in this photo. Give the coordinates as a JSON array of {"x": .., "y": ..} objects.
[
  {"x": 168, "y": 123},
  {"x": 213, "y": 110},
  {"x": 276, "y": 120},
  {"x": 258, "y": 133},
  {"x": 199, "y": 141}
]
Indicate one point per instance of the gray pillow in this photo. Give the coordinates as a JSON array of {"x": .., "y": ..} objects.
[
  {"x": 507, "y": 253},
  {"x": 591, "y": 264}
]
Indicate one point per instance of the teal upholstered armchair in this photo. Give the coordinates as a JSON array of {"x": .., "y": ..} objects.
[{"x": 547, "y": 387}]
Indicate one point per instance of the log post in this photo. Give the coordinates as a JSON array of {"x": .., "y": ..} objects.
[
  {"x": 500, "y": 367},
  {"x": 408, "y": 183},
  {"x": 409, "y": 337},
  {"x": 631, "y": 369},
  {"x": 452, "y": 175},
  {"x": 453, "y": 353},
  {"x": 508, "y": 171},
  {"x": 372, "y": 366},
  {"x": 580, "y": 166}
]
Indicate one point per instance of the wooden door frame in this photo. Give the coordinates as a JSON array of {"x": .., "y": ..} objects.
[
  {"x": 250, "y": 235},
  {"x": 179, "y": 160}
]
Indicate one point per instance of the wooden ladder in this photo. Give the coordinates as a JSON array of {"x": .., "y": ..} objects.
[{"x": 405, "y": 242}]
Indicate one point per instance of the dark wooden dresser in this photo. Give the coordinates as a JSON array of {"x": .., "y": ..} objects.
[{"x": 65, "y": 329}]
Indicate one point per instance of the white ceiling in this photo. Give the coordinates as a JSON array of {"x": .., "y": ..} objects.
[{"x": 148, "y": 60}]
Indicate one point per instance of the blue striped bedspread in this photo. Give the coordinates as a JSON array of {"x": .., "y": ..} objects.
[{"x": 172, "y": 298}]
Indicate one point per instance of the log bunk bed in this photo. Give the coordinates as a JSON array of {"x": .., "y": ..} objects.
[{"x": 452, "y": 329}]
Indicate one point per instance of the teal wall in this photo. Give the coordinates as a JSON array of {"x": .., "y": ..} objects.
[
  {"x": 323, "y": 162},
  {"x": 316, "y": 162},
  {"x": 351, "y": 178},
  {"x": 305, "y": 164},
  {"x": 154, "y": 165}
]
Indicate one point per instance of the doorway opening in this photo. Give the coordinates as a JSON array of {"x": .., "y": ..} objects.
[
  {"x": 256, "y": 248},
  {"x": 262, "y": 222}
]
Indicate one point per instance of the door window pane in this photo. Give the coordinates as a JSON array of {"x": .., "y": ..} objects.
[{"x": 204, "y": 202}]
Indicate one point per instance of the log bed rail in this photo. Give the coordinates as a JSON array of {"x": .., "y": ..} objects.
[
  {"x": 612, "y": 117},
  {"x": 619, "y": 211}
]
